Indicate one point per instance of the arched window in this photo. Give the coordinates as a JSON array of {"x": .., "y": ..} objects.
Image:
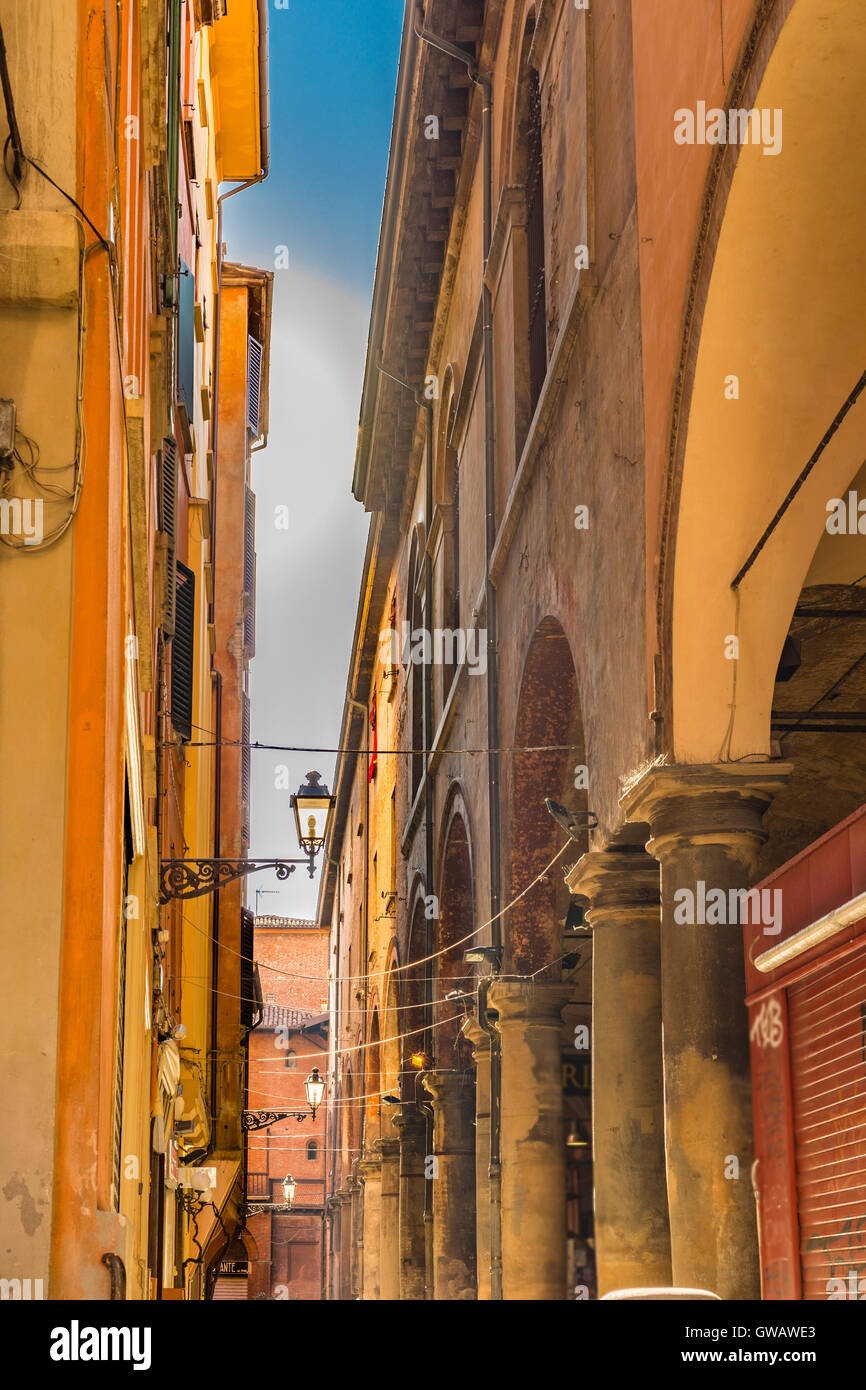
[
  {"x": 530, "y": 165},
  {"x": 291, "y": 1060},
  {"x": 415, "y": 617},
  {"x": 312, "y": 1150}
]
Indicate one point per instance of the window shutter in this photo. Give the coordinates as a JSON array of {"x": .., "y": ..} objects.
[
  {"x": 250, "y": 571},
  {"x": 182, "y": 652},
  {"x": 245, "y": 764},
  {"x": 254, "y": 384},
  {"x": 186, "y": 341},
  {"x": 249, "y": 993},
  {"x": 168, "y": 527}
]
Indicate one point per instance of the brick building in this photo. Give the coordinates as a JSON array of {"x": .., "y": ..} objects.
[
  {"x": 286, "y": 1250},
  {"x": 600, "y": 438}
]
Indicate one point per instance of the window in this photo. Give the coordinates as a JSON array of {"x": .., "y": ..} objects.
[
  {"x": 254, "y": 384},
  {"x": 529, "y": 168},
  {"x": 183, "y": 652},
  {"x": 291, "y": 1060},
  {"x": 312, "y": 1150},
  {"x": 415, "y": 616}
]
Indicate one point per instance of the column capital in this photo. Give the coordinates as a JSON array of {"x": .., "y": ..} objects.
[
  {"x": 448, "y": 1087},
  {"x": 411, "y": 1126},
  {"x": 522, "y": 999},
  {"x": 370, "y": 1169},
  {"x": 619, "y": 882},
  {"x": 478, "y": 1036},
  {"x": 704, "y": 804},
  {"x": 388, "y": 1150}
]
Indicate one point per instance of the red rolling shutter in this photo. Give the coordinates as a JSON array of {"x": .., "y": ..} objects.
[{"x": 827, "y": 1019}]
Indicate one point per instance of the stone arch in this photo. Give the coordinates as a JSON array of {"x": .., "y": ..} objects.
[
  {"x": 444, "y": 427},
  {"x": 391, "y": 1022},
  {"x": 350, "y": 1119},
  {"x": 456, "y": 921},
  {"x": 414, "y": 983},
  {"x": 548, "y": 717},
  {"x": 739, "y": 448},
  {"x": 415, "y": 617},
  {"x": 373, "y": 1080}
]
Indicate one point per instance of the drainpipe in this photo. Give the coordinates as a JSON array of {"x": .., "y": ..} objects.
[
  {"x": 365, "y": 714},
  {"x": 493, "y": 772},
  {"x": 426, "y": 1110},
  {"x": 429, "y": 1042}
]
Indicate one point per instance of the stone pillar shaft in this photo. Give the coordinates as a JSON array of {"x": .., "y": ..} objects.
[
  {"x": 632, "y": 1236},
  {"x": 412, "y": 1128},
  {"x": 533, "y": 1144},
  {"x": 706, "y": 831},
  {"x": 453, "y": 1184},
  {"x": 481, "y": 1052},
  {"x": 370, "y": 1173},
  {"x": 356, "y": 1228},
  {"x": 389, "y": 1239}
]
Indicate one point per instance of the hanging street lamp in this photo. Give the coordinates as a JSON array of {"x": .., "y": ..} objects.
[
  {"x": 315, "y": 1089},
  {"x": 193, "y": 878}
]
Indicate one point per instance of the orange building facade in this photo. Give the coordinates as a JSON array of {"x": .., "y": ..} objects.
[{"x": 111, "y": 303}]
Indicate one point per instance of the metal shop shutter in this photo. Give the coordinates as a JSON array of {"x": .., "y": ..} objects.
[
  {"x": 827, "y": 1019},
  {"x": 229, "y": 1287}
]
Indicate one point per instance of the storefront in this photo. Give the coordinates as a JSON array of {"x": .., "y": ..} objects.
[{"x": 806, "y": 995}]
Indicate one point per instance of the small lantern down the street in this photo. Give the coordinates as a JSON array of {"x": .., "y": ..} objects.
[
  {"x": 289, "y": 1186},
  {"x": 312, "y": 806},
  {"x": 315, "y": 1089}
]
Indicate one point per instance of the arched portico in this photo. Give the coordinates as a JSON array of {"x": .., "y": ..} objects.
[{"x": 767, "y": 431}]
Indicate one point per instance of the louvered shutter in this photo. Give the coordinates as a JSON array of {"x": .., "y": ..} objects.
[
  {"x": 168, "y": 527},
  {"x": 250, "y": 571},
  {"x": 248, "y": 982},
  {"x": 245, "y": 765},
  {"x": 183, "y": 652},
  {"x": 827, "y": 1020},
  {"x": 254, "y": 384}
]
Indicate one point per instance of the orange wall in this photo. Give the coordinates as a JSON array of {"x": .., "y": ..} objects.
[{"x": 678, "y": 60}]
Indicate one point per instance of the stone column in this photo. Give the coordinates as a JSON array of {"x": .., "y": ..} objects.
[
  {"x": 706, "y": 831},
  {"x": 453, "y": 1184},
  {"x": 389, "y": 1220},
  {"x": 411, "y": 1126},
  {"x": 342, "y": 1244},
  {"x": 370, "y": 1173},
  {"x": 632, "y": 1236},
  {"x": 533, "y": 1144},
  {"x": 481, "y": 1052},
  {"x": 354, "y": 1263}
]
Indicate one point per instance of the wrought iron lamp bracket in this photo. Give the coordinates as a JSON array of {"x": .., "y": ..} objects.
[{"x": 193, "y": 878}]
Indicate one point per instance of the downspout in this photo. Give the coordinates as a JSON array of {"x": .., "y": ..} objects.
[
  {"x": 426, "y": 1110},
  {"x": 362, "y": 1117},
  {"x": 493, "y": 771},
  {"x": 429, "y": 1043},
  {"x": 336, "y": 1090}
]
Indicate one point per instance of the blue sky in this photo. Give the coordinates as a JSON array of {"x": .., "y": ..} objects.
[{"x": 333, "y": 72}]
